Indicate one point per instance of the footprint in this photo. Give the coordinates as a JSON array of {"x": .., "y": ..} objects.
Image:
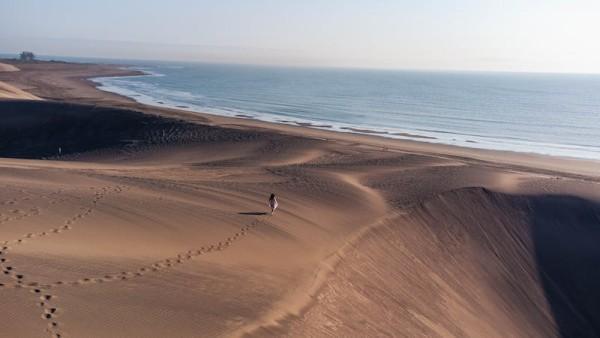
[{"x": 158, "y": 266}]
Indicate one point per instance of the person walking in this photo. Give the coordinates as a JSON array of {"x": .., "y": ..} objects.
[{"x": 273, "y": 203}]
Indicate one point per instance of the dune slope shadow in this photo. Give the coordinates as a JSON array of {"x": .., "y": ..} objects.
[
  {"x": 467, "y": 263},
  {"x": 36, "y": 129},
  {"x": 566, "y": 235}
]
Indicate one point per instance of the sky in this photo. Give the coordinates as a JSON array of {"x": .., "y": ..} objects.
[{"x": 487, "y": 35}]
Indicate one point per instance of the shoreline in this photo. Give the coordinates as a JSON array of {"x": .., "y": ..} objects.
[
  {"x": 564, "y": 165},
  {"x": 463, "y": 140}
]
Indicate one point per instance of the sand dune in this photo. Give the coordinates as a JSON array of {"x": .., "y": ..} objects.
[
  {"x": 11, "y": 92},
  {"x": 74, "y": 231},
  {"x": 4, "y": 67},
  {"x": 154, "y": 225},
  {"x": 468, "y": 263},
  {"x": 8, "y": 91}
]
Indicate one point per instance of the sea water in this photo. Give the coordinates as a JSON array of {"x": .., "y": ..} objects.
[{"x": 555, "y": 114}]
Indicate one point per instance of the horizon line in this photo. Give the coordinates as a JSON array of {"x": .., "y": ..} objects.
[{"x": 299, "y": 66}]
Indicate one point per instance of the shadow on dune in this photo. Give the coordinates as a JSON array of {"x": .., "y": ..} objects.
[
  {"x": 566, "y": 237},
  {"x": 37, "y": 129},
  {"x": 253, "y": 213},
  {"x": 468, "y": 262}
]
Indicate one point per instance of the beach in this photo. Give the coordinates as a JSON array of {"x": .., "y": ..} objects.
[
  {"x": 119, "y": 219},
  {"x": 548, "y": 114}
]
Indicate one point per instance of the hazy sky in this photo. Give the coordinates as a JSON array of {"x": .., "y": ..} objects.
[{"x": 505, "y": 35}]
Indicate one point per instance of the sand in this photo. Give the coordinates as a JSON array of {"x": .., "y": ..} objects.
[
  {"x": 11, "y": 92},
  {"x": 4, "y": 67},
  {"x": 152, "y": 223}
]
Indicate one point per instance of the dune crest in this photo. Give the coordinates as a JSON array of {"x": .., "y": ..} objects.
[{"x": 467, "y": 263}]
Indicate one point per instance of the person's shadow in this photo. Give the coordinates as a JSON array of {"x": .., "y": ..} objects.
[{"x": 252, "y": 213}]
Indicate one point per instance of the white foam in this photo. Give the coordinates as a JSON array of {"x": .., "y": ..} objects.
[{"x": 176, "y": 99}]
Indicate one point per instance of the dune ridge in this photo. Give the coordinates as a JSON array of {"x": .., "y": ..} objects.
[{"x": 492, "y": 259}]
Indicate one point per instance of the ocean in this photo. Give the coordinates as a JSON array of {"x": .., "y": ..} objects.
[{"x": 553, "y": 114}]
